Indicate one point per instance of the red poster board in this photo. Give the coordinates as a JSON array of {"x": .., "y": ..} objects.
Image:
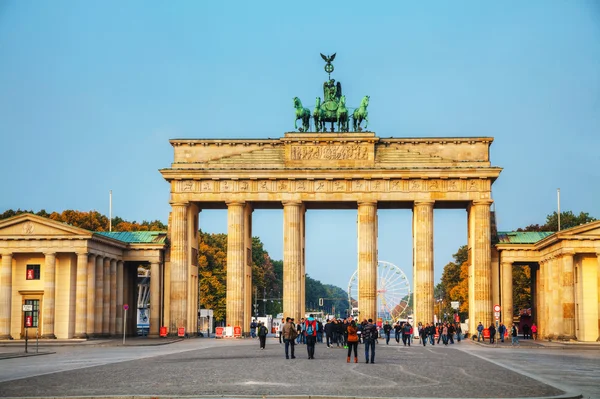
[
  {"x": 163, "y": 331},
  {"x": 28, "y": 321},
  {"x": 181, "y": 332},
  {"x": 237, "y": 331},
  {"x": 219, "y": 332}
]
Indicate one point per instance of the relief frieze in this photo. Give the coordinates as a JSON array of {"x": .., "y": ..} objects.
[{"x": 329, "y": 152}]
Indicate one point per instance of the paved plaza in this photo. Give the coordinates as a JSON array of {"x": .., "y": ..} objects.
[{"x": 210, "y": 367}]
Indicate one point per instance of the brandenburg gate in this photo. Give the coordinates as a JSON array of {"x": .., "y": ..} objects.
[{"x": 326, "y": 170}]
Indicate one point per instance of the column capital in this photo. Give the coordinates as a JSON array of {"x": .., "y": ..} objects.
[
  {"x": 567, "y": 252},
  {"x": 367, "y": 203},
  {"x": 424, "y": 202},
  {"x": 483, "y": 202},
  {"x": 6, "y": 253},
  {"x": 80, "y": 253},
  {"x": 47, "y": 253},
  {"x": 234, "y": 203},
  {"x": 292, "y": 203},
  {"x": 179, "y": 203}
]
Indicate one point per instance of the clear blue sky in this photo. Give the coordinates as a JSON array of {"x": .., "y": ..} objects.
[{"x": 91, "y": 92}]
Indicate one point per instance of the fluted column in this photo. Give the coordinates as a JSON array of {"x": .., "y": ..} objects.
[
  {"x": 113, "y": 297},
  {"x": 179, "y": 267},
  {"x": 247, "y": 269},
  {"x": 567, "y": 295},
  {"x": 91, "y": 295},
  {"x": 423, "y": 299},
  {"x": 154, "y": 299},
  {"x": 367, "y": 260},
  {"x": 480, "y": 240},
  {"x": 99, "y": 295},
  {"x": 235, "y": 264},
  {"x": 507, "y": 293},
  {"x": 303, "y": 260},
  {"x": 81, "y": 293},
  {"x": 119, "y": 317},
  {"x": 5, "y": 295},
  {"x": 292, "y": 259},
  {"x": 49, "y": 296},
  {"x": 106, "y": 298}
]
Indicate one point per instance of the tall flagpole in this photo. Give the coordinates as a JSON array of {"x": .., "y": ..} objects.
[
  {"x": 110, "y": 211},
  {"x": 558, "y": 194}
]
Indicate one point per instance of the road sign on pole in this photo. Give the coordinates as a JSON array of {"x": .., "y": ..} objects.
[{"x": 496, "y": 308}]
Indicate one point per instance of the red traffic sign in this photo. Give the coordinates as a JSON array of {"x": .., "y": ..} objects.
[
  {"x": 496, "y": 308},
  {"x": 126, "y": 306}
]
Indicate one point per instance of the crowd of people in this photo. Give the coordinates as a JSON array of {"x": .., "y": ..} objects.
[{"x": 349, "y": 333}]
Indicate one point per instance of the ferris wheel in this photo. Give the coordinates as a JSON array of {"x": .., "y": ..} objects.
[{"x": 393, "y": 290}]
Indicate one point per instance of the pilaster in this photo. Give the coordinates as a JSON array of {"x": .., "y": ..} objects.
[
  {"x": 567, "y": 294},
  {"x": 5, "y": 295},
  {"x": 292, "y": 259},
  {"x": 507, "y": 293},
  {"x": 179, "y": 267},
  {"x": 480, "y": 292},
  {"x": 367, "y": 260},
  {"x": 48, "y": 306},
  {"x": 235, "y": 264},
  {"x": 154, "y": 299},
  {"x": 81, "y": 291},
  {"x": 423, "y": 261}
]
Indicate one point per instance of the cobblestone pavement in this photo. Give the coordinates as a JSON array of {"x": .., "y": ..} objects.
[{"x": 210, "y": 367}]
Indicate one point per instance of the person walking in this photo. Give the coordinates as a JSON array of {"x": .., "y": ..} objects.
[
  {"x": 397, "y": 332},
  {"x": 444, "y": 333},
  {"x": 329, "y": 333},
  {"x": 458, "y": 332},
  {"x": 423, "y": 331},
  {"x": 352, "y": 341},
  {"x": 479, "y": 332},
  {"x": 289, "y": 337},
  {"x": 502, "y": 331},
  {"x": 451, "y": 331},
  {"x": 253, "y": 326},
  {"x": 534, "y": 331},
  {"x": 514, "y": 332},
  {"x": 369, "y": 336},
  {"x": 406, "y": 327},
  {"x": 262, "y": 335},
  {"x": 387, "y": 330},
  {"x": 492, "y": 333},
  {"x": 280, "y": 330},
  {"x": 310, "y": 332}
]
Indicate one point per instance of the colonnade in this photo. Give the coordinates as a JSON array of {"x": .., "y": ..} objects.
[
  {"x": 239, "y": 260},
  {"x": 101, "y": 286}
]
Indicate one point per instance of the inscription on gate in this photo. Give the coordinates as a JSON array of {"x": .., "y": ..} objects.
[{"x": 329, "y": 152}]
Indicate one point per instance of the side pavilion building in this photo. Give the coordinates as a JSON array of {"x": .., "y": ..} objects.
[
  {"x": 76, "y": 281},
  {"x": 565, "y": 279}
]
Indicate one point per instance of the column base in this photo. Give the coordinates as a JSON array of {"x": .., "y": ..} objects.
[
  {"x": 48, "y": 336},
  {"x": 7, "y": 336},
  {"x": 566, "y": 338},
  {"x": 81, "y": 336}
]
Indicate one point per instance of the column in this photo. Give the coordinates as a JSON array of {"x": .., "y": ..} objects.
[
  {"x": 91, "y": 295},
  {"x": 423, "y": 299},
  {"x": 106, "y": 298},
  {"x": 248, "y": 269},
  {"x": 81, "y": 300},
  {"x": 154, "y": 299},
  {"x": 5, "y": 295},
  {"x": 303, "y": 260},
  {"x": 507, "y": 293},
  {"x": 235, "y": 264},
  {"x": 554, "y": 315},
  {"x": 119, "y": 317},
  {"x": 49, "y": 296},
  {"x": 367, "y": 260},
  {"x": 567, "y": 295},
  {"x": 112, "y": 318},
  {"x": 292, "y": 259},
  {"x": 98, "y": 308},
  {"x": 179, "y": 267},
  {"x": 480, "y": 289}
]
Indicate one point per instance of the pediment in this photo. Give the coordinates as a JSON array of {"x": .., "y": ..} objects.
[
  {"x": 29, "y": 225},
  {"x": 591, "y": 229}
]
